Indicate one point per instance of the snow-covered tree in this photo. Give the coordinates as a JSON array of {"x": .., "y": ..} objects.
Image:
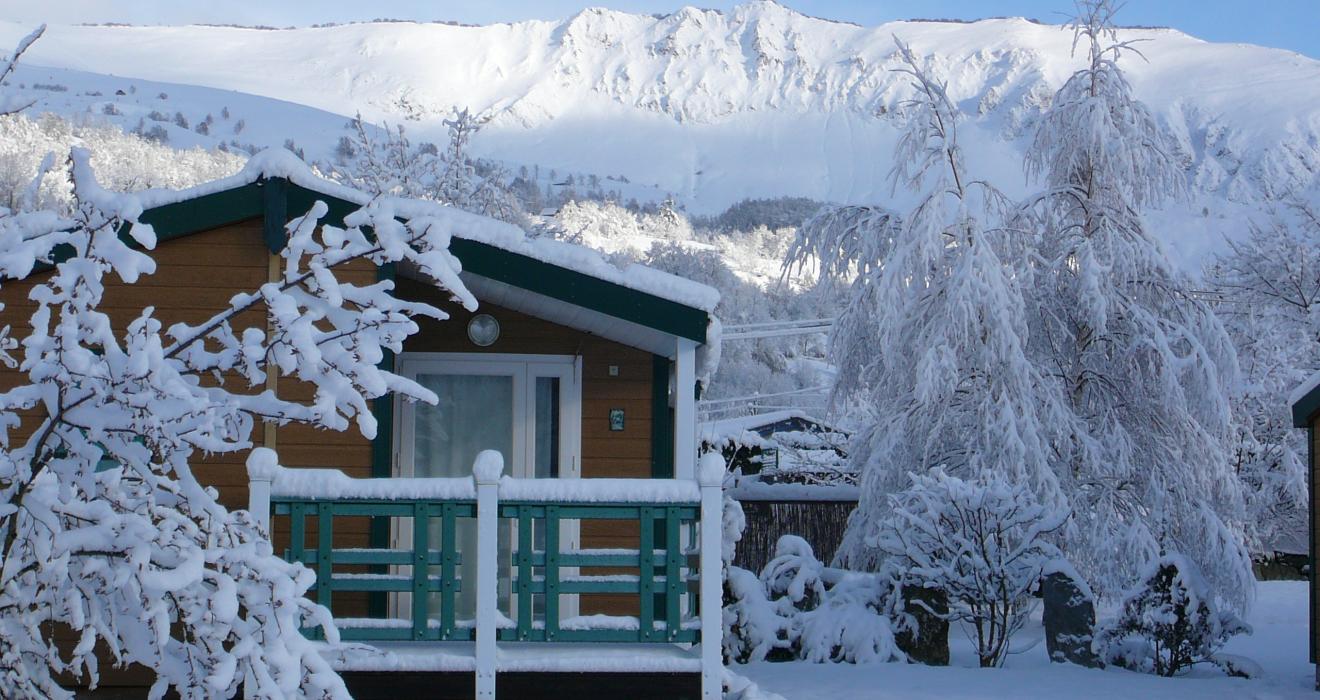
[
  {"x": 392, "y": 164},
  {"x": 124, "y": 162},
  {"x": 1267, "y": 292},
  {"x": 983, "y": 543},
  {"x": 1169, "y": 622},
  {"x": 933, "y": 336},
  {"x": 387, "y": 164},
  {"x": 104, "y": 529},
  {"x": 1144, "y": 365},
  {"x": 457, "y": 182}
]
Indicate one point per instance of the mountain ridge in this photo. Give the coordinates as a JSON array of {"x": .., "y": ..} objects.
[{"x": 757, "y": 101}]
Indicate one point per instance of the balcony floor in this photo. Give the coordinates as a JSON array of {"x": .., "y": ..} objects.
[{"x": 444, "y": 670}]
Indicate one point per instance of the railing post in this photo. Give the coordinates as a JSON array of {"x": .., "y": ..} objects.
[
  {"x": 685, "y": 409},
  {"x": 486, "y": 471},
  {"x": 262, "y": 463},
  {"x": 710, "y": 476}
]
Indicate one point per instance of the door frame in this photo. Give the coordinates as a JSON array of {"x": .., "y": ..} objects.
[{"x": 524, "y": 368}]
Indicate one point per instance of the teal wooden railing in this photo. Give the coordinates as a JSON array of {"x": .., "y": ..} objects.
[
  {"x": 318, "y": 508},
  {"x": 677, "y": 522},
  {"x": 388, "y": 570},
  {"x": 664, "y": 575}
]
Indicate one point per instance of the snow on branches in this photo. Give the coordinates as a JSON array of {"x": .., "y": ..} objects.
[
  {"x": 1266, "y": 290},
  {"x": 11, "y": 105},
  {"x": 1144, "y": 364},
  {"x": 105, "y": 529},
  {"x": 933, "y": 340}
]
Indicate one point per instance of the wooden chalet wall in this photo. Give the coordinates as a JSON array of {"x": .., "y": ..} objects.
[
  {"x": 196, "y": 276},
  {"x": 1313, "y": 445}
]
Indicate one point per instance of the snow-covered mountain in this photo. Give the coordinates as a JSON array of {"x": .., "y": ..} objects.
[{"x": 710, "y": 106}]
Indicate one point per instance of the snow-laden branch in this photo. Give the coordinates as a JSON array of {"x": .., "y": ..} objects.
[{"x": 105, "y": 529}]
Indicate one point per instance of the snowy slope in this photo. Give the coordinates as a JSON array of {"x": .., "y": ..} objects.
[{"x": 714, "y": 107}]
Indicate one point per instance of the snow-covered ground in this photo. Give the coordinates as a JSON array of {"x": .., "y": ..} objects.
[{"x": 1279, "y": 645}]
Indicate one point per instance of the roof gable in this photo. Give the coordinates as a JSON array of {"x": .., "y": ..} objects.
[
  {"x": 1305, "y": 402},
  {"x": 272, "y": 187}
]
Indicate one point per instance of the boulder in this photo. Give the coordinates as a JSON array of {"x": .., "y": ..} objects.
[
  {"x": 927, "y": 641},
  {"x": 1069, "y": 617}
]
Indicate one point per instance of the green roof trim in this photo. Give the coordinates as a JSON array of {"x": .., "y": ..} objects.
[
  {"x": 206, "y": 212},
  {"x": 275, "y": 199},
  {"x": 611, "y": 299},
  {"x": 1307, "y": 409}
]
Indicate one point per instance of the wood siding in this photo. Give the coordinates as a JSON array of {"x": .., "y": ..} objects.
[
  {"x": 198, "y": 274},
  {"x": 1313, "y": 435}
]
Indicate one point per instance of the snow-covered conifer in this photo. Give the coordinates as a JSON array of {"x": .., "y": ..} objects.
[
  {"x": 1144, "y": 365},
  {"x": 1169, "y": 622}
]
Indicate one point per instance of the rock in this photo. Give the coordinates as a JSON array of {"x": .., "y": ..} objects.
[
  {"x": 928, "y": 642},
  {"x": 1069, "y": 618}
]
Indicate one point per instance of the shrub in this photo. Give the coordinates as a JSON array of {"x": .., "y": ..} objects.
[
  {"x": 981, "y": 542},
  {"x": 1169, "y": 623}
]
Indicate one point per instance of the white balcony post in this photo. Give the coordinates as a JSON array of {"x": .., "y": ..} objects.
[
  {"x": 262, "y": 463},
  {"x": 711, "y": 477},
  {"x": 685, "y": 409},
  {"x": 486, "y": 471}
]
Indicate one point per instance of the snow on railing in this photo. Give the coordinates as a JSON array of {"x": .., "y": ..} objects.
[{"x": 665, "y": 567}]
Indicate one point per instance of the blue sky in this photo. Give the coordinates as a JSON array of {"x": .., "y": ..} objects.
[{"x": 1290, "y": 24}]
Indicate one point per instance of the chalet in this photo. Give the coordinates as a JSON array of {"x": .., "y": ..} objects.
[
  {"x": 582, "y": 562},
  {"x": 1306, "y": 414},
  {"x": 791, "y": 476}
]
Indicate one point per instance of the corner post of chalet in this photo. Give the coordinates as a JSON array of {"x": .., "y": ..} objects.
[
  {"x": 685, "y": 409},
  {"x": 710, "y": 477},
  {"x": 262, "y": 464},
  {"x": 1305, "y": 402},
  {"x": 486, "y": 471}
]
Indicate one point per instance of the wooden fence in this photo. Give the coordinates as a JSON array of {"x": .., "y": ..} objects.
[{"x": 820, "y": 523}]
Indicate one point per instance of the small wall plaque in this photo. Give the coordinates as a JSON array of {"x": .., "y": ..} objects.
[{"x": 616, "y": 419}]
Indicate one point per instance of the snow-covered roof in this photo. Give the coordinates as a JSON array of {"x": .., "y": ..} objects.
[
  {"x": 281, "y": 163},
  {"x": 730, "y": 426},
  {"x": 1305, "y": 401}
]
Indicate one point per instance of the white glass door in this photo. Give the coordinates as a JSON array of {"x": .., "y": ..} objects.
[{"x": 528, "y": 407}]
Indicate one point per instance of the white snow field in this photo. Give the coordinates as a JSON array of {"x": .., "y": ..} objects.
[
  {"x": 710, "y": 106},
  {"x": 1279, "y": 645}
]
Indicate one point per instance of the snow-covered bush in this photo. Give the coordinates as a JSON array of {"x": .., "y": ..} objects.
[
  {"x": 753, "y": 627},
  {"x": 982, "y": 542},
  {"x": 851, "y": 623},
  {"x": 791, "y": 612},
  {"x": 794, "y": 574},
  {"x": 1170, "y": 622},
  {"x": 140, "y": 559}
]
